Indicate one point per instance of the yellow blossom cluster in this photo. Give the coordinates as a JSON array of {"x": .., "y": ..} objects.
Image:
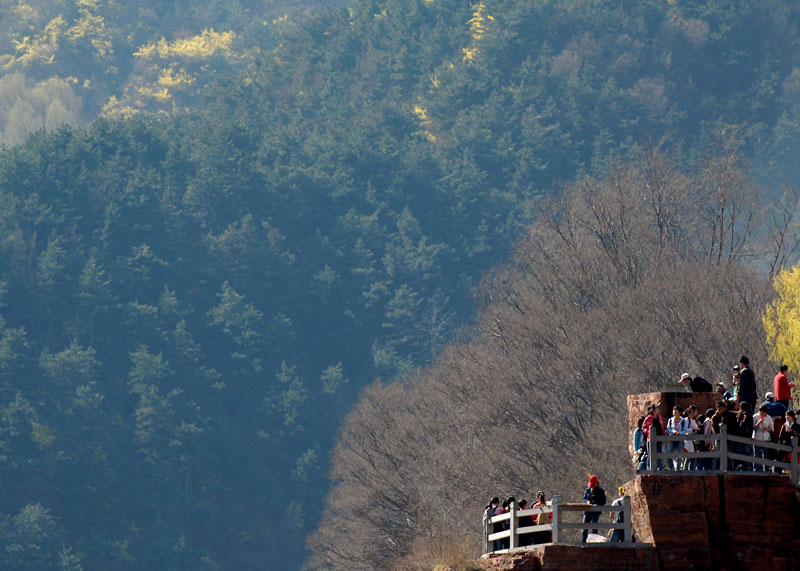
[
  {"x": 477, "y": 24},
  {"x": 175, "y": 78},
  {"x": 782, "y": 321},
  {"x": 425, "y": 121},
  {"x": 39, "y": 49},
  {"x": 201, "y": 46}
]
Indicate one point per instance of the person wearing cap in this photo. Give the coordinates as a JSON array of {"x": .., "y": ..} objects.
[
  {"x": 782, "y": 386},
  {"x": 774, "y": 408},
  {"x": 723, "y": 392},
  {"x": 594, "y": 496},
  {"x": 748, "y": 390},
  {"x": 697, "y": 384},
  {"x": 618, "y": 535}
]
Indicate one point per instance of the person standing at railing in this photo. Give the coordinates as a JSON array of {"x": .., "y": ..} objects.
[
  {"x": 638, "y": 435},
  {"x": 492, "y": 509},
  {"x": 525, "y": 521},
  {"x": 762, "y": 429},
  {"x": 723, "y": 417},
  {"x": 594, "y": 496},
  {"x": 743, "y": 428},
  {"x": 782, "y": 386},
  {"x": 653, "y": 425},
  {"x": 707, "y": 445},
  {"x": 618, "y": 535},
  {"x": 542, "y": 519},
  {"x": 789, "y": 429},
  {"x": 747, "y": 382},
  {"x": 675, "y": 425},
  {"x": 690, "y": 422}
]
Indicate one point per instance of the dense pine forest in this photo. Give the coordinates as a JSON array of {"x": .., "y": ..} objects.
[{"x": 221, "y": 222}]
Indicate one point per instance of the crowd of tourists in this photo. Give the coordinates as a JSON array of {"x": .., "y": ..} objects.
[
  {"x": 540, "y": 513},
  {"x": 771, "y": 420}
]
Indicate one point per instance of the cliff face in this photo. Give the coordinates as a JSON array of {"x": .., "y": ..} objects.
[
  {"x": 733, "y": 522},
  {"x": 730, "y": 521}
]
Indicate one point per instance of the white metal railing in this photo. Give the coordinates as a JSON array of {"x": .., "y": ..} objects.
[
  {"x": 513, "y": 537},
  {"x": 722, "y": 459}
]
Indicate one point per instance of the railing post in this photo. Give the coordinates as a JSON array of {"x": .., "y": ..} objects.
[
  {"x": 513, "y": 526},
  {"x": 723, "y": 448},
  {"x": 556, "y": 519},
  {"x": 795, "y": 468},
  {"x": 626, "y": 519},
  {"x": 485, "y": 542},
  {"x": 651, "y": 449}
]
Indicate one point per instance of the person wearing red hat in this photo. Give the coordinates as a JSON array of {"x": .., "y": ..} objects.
[{"x": 594, "y": 496}]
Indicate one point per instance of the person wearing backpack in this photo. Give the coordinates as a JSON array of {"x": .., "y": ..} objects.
[{"x": 594, "y": 496}]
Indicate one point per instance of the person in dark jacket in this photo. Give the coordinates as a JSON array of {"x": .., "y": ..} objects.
[
  {"x": 725, "y": 417},
  {"x": 744, "y": 428},
  {"x": 594, "y": 496},
  {"x": 697, "y": 384},
  {"x": 774, "y": 408},
  {"x": 747, "y": 382}
]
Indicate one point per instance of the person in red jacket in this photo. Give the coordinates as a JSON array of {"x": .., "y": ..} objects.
[{"x": 783, "y": 387}]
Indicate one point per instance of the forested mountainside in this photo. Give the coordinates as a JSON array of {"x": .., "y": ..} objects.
[
  {"x": 67, "y": 61},
  {"x": 194, "y": 296}
]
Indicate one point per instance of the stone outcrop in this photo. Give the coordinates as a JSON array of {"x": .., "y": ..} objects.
[{"x": 730, "y": 521}]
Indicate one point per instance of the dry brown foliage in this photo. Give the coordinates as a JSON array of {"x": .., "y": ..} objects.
[{"x": 627, "y": 281}]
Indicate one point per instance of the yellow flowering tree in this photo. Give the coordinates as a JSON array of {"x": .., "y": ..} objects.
[{"x": 782, "y": 322}]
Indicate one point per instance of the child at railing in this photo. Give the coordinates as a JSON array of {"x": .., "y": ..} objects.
[
  {"x": 525, "y": 521},
  {"x": 618, "y": 535}
]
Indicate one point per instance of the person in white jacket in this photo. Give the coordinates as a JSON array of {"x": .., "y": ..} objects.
[{"x": 762, "y": 431}]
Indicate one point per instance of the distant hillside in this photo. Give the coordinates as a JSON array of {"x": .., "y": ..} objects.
[
  {"x": 195, "y": 295},
  {"x": 69, "y": 61}
]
